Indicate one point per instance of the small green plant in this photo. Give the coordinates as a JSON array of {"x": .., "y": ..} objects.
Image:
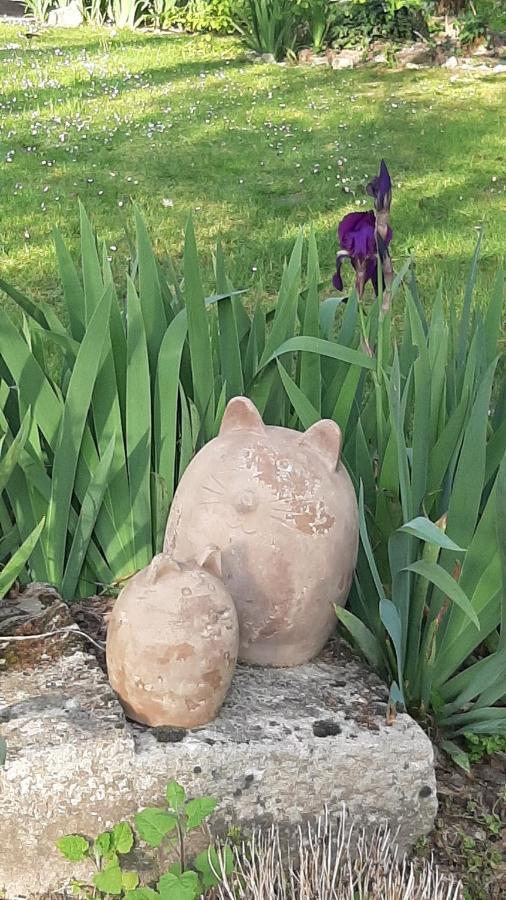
[
  {"x": 105, "y": 852},
  {"x": 162, "y": 828},
  {"x": 169, "y": 827},
  {"x": 482, "y": 745}
]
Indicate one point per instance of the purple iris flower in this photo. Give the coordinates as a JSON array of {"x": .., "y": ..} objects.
[{"x": 364, "y": 235}]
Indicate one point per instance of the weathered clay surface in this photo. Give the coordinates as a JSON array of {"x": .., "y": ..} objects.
[
  {"x": 172, "y": 642},
  {"x": 282, "y": 509},
  {"x": 286, "y": 743}
]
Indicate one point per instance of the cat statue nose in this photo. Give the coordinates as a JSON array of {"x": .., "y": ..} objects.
[{"x": 247, "y": 502}]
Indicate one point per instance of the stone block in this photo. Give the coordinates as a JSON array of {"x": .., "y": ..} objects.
[{"x": 287, "y": 743}]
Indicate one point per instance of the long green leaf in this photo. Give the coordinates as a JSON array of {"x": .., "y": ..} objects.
[
  {"x": 364, "y": 638},
  {"x": 466, "y": 308},
  {"x": 470, "y": 473},
  {"x": 34, "y": 387},
  {"x": 445, "y": 449},
  {"x": 444, "y": 581},
  {"x": 10, "y": 458},
  {"x": 496, "y": 448},
  {"x": 479, "y": 721},
  {"x": 198, "y": 332},
  {"x": 72, "y": 288},
  {"x": 310, "y": 371},
  {"x": 166, "y": 401},
  {"x": 398, "y": 415},
  {"x": 92, "y": 273},
  {"x": 494, "y": 317},
  {"x": 421, "y": 414},
  {"x": 323, "y": 348},
  {"x": 366, "y": 544},
  {"x": 501, "y": 542},
  {"x": 138, "y": 430},
  {"x": 18, "y": 561},
  {"x": 41, "y": 312},
  {"x": 150, "y": 293},
  {"x": 306, "y": 412},
  {"x": 283, "y": 326},
  {"x": 86, "y": 522},
  {"x": 390, "y": 618},
  {"x": 230, "y": 350},
  {"x": 427, "y": 531},
  {"x": 75, "y": 412},
  {"x": 480, "y": 579},
  {"x": 472, "y": 681}
]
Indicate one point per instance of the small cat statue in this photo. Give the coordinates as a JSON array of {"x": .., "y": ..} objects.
[
  {"x": 281, "y": 507},
  {"x": 172, "y": 642}
]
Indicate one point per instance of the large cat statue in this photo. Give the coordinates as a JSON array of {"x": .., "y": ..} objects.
[{"x": 281, "y": 507}]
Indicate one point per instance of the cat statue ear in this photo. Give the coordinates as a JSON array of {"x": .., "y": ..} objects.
[
  {"x": 241, "y": 413},
  {"x": 160, "y": 564},
  {"x": 210, "y": 560},
  {"x": 325, "y": 437}
]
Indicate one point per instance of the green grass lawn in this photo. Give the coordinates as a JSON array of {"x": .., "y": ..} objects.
[{"x": 179, "y": 124}]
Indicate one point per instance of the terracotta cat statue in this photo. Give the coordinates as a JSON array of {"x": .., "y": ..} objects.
[
  {"x": 281, "y": 507},
  {"x": 172, "y": 642}
]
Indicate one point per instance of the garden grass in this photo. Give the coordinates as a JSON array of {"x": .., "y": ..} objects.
[{"x": 181, "y": 124}]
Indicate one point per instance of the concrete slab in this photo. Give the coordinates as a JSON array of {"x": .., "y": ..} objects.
[{"x": 287, "y": 743}]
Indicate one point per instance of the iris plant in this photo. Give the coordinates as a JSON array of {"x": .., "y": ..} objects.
[{"x": 365, "y": 236}]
